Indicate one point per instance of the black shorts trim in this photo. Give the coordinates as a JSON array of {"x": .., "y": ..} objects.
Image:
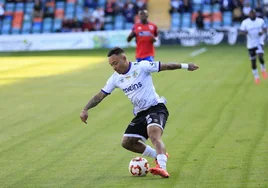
[{"x": 155, "y": 115}]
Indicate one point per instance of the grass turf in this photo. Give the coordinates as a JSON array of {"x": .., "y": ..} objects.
[{"x": 216, "y": 134}]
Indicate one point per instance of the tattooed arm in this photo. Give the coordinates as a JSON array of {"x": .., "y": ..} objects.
[
  {"x": 92, "y": 103},
  {"x": 173, "y": 66}
]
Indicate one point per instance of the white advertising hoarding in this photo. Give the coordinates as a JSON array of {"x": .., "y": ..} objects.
[{"x": 65, "y": 41}]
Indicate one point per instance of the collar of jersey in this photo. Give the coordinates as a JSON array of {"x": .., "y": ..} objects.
[{"x": 128, "y": 68}]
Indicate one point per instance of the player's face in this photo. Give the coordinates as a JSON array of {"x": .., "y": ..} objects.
[
  {"x": 252, "y": 15},
  {"x": 143, "y": 15},
  {"x": 118, "y": 62}
]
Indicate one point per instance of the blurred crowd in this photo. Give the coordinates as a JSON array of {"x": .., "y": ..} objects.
[
  {"x": 240, "y": 8},
  {"x": 94, "y": 16}
]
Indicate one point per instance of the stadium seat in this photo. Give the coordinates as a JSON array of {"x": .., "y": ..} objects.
[
  {"x": 207, "y": 24},
  {"x": 26, "y": 27},
  {"x": 19, "y": 7},
  {"x": 108, "y": 26},
  {"x": 59, "y": 13},
  {"x": 80, "y": 2},
  {"x": 15, "y": 31},
  {"x": 216, "y": 24},
  {"x": 57, "y": 24},
  {"x": 227, "y": 18},
  {"x": 47, "y": 25},
  {"x": 216, "y": 8},
  {"x": 128, "y": 25},
  {"x": 197, "y": 2},
  {"x": 9, "y": 7},
  {"x": 207, "y": 9},
  {"x": 6, "y": 28},
  {"x": 186, "y": 20},
  {"x": 79, "y": 12},
  {"x": 29, "y": 8},
  {"x": 216, "y": 19},
  {"x": 119, "y": 25},
  {"x": 101, "y": 3},
  {"x": 196, "y": 7},
  {"x": 60, "y": 5},
  {"x": 36, "y": 27},
  {"x": 175, "y": 21}
]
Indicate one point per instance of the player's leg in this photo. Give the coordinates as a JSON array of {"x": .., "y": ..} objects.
[
  {"x": 155, "y": 132},
  {"x": 260, "y": 53},
  {"x": 156, "y": 121},
  {"x": 252, "y": 54},
  {"x": 135, "y": 136},
  {"x": 138, "y": 146}
]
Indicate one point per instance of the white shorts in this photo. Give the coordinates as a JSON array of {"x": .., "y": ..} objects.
[{"x": 260, "y": 49}]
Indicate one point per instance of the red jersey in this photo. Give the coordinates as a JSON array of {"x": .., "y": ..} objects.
[{"x": 144, "y": 34}]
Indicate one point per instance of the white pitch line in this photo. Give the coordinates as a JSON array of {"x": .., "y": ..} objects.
[{"x": 198, "y": 52}]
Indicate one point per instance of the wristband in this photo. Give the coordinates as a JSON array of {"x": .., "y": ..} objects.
[{"x": 184, "y": 66}]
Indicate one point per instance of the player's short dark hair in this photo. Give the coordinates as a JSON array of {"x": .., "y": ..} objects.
[{"x": 115, "y": 51}]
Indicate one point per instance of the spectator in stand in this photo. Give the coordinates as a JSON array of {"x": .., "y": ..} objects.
[
  {"x": 98, "y": 25},
  {"x": 246, "y": 9},
  {"x": 2, "y": 13},
  {"x": 110, "y": 8},
  {"x": 66, "y": 27},
  {"x": 186, "y": 6},
  {"x": 226, "y": 5},
  {"x": 91, "y": 4},
  {"x": 174, "y": 6},
  {"x": 37, "y": 9},
  {"x": 88, "y": 24},
  {"x": 129, "y": 13},
  {"x": 48, "y": 12},
  {"x": 265, "y": 10},
  {"x": 199, "y": 20},
  {"x": 98, "y": 14},
  {"x": 134, "y": 6},
  {"x": 86, "y": 13},
  {"x": 259, "y": 10},
  {"x": 141, "y": 5},
  {"x": 119, "y": 8},
  {"x": 76, "y": 25},
  {"x": 237, "y": 14}
]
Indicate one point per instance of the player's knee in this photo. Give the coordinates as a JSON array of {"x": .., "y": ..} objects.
[
  {"x": 128, "y": 142},
  {"x": 125, "y": 143}
]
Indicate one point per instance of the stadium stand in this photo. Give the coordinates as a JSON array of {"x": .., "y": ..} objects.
[
  {"x": 216, "y": 13},
  {"x": 48, "y": 16}
]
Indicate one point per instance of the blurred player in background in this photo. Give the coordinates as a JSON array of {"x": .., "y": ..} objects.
[
  {"x": 255, "y": 29},
  {"x": 151, "y": 114},
  {"x": 145, "y": 33}
]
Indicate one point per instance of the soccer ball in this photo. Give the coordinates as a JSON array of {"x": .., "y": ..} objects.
[{"x": 138, "y": 166}]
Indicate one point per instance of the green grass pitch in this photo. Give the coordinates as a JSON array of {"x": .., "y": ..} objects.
[{"x": 216, "y": 134}]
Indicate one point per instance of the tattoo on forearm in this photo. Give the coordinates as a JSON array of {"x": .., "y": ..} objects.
[
  {"x": 94, "y": 101},
  {"x": 170, "y": 66}
]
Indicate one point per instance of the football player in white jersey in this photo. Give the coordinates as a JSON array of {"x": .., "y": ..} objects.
[
  {"x": 151, "y": 114},
  {"x": 255, "y": 29}
]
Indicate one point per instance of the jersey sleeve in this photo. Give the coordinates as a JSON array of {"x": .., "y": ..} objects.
[
  {"x": 264, "y": 26},
  {"x": 150, "y": 66},
  {"x": 109, "y": 86},
  {"x": 243, "y": 26}
]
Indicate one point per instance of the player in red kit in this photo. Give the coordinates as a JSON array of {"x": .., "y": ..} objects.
[{"x": 146, "y": 34}]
